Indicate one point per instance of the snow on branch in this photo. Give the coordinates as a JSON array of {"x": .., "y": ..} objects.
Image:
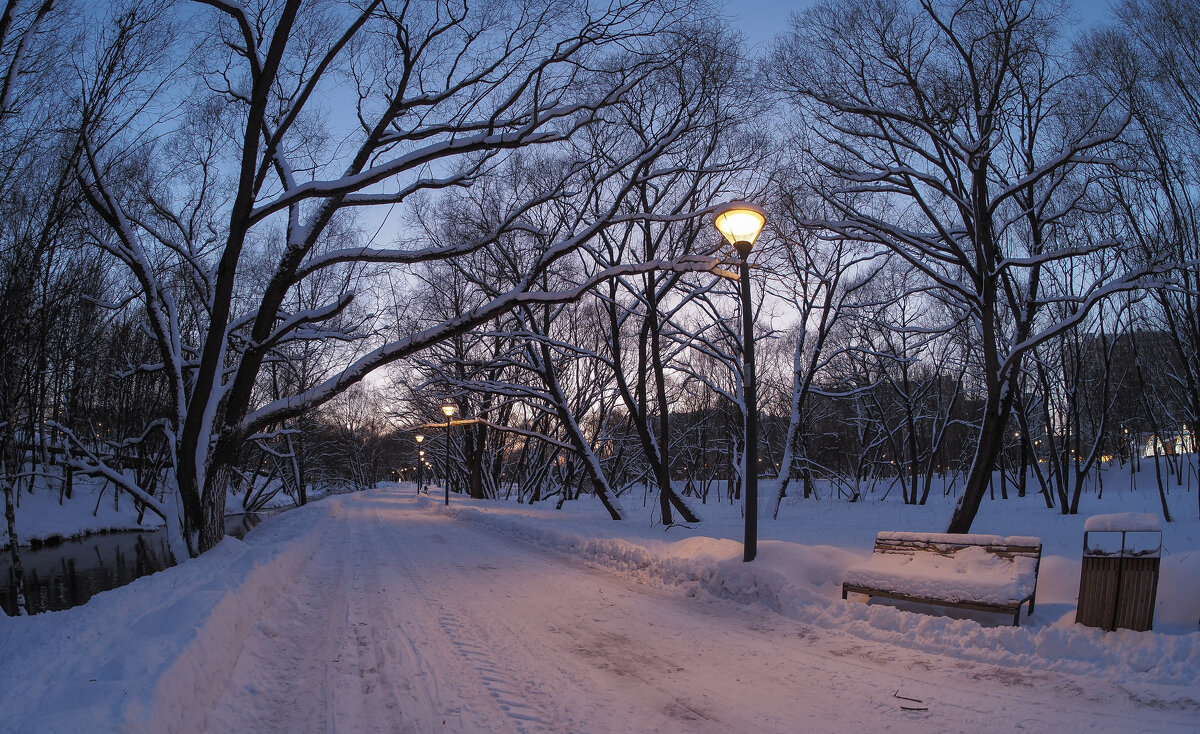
[
  {"x": 309, "y": 316},
  {"x": 415, "y": 159},
  {"x": 1102, "y": 289},
  {"x": 283, "y": 408},
  {"x": 96, "y": 466}
]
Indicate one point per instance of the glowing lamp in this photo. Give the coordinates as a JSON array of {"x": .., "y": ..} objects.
[{"x": 740, "y": 223}]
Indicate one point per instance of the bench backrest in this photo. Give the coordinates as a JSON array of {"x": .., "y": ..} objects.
[{"x": 947, "y": 544}]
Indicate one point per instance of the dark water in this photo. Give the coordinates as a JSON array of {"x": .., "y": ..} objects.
[{"x": 69, "y": 573}]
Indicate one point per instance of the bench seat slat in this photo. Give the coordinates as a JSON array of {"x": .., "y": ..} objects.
[{"x": 1012, "y": 607}]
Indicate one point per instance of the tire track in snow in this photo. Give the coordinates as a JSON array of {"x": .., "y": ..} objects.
[
  {"x": 368, "y": 697},
  {"x": 442, "y": 630},
  {"x": 330, "y": 654},
  {"x": 393, "y": 631},
  {"x": 522, "y": 713},
  {"x": 289, "y": 651}
]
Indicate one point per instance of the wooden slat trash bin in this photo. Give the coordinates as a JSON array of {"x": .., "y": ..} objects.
[{"x": 1118, "y": 582}]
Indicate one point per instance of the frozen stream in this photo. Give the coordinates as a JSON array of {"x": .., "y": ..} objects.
[{"x": 68, "y": 573}]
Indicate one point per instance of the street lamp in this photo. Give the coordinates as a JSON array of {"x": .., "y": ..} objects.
[
  {"x": 420, "y": 460},
  {"x": 448, "y": 411},
  {"x": 740, "y": 223}
]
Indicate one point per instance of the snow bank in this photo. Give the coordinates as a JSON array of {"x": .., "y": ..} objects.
[
  {"x": 803, "y": 582},
  {"x": 632, "y": 559},
  {"x": 179, "y": 632}
]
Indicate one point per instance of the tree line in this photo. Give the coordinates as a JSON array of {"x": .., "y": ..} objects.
[{"x": 256, "y": 246}]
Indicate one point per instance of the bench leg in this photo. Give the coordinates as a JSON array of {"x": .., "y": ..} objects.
[
  {"x": 843, "y": 592},
  {"x": 1017, "y": 617}
]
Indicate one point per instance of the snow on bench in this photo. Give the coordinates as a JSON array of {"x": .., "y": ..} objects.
[{"x": 989, "y": 573}]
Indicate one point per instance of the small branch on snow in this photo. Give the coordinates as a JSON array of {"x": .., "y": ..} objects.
[{"x": 914, "y": 700}]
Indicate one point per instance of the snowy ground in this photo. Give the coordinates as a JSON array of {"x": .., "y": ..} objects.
[{"x": 381, "y": 612}]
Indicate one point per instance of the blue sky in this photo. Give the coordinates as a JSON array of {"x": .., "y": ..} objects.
[{"x": 760, "y": 20}]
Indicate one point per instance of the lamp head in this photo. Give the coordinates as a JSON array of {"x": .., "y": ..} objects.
[
  {"x": 448, "y": 410},
  {"x": 740, "y": 223},
  {"x": 419, "y": 438}
]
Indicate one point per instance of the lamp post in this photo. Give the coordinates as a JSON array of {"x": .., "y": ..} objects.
[
  {"x": 740, "y": 223},
  {"x": 448, "y": 411},
  {"x": 420, "y": 460},
  {"x": 1129, "y": 450}
]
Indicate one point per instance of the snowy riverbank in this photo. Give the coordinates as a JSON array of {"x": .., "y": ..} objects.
[
  {"x": 41, "y": 517},
  {"x": 93, "y": 509}
]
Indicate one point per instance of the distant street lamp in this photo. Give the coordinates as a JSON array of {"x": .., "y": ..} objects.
[
  {"x": 740, "y": 223},
  {"x": 448, "y": 411},
  {"x": 420, "y": 460}
]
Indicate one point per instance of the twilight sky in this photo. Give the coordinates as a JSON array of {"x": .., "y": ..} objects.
[{"x": 760, "y": 20}]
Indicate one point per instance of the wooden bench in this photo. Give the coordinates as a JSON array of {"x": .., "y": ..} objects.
[{"x": 986, "y": 573}]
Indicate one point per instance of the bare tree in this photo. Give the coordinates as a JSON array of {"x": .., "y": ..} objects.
[
  {"x": 821, "y": 278},
  {"x": 645, "y": 314},
  {"x": 1149, "y": 58},
  {"x": 442, "y": 93},
  {"x": 961, "y": 142},
  {"x": 37, "y": 196}
]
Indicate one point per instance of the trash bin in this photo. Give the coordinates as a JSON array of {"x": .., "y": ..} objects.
[{"x": 1118, "y": 582}]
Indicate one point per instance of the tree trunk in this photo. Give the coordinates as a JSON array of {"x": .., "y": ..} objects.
[
  {"x": 212, "y": 517},
  {"x": 14, "y": 551},
  {"x": 591, "y": 464},
  {"x": 475, "y": 442},
  {"x": 1024, "y": 466},
  {"x": 792, "y": 439},
  {"x": 991, "y": 437},
  {"x": 663, "y": 475}
]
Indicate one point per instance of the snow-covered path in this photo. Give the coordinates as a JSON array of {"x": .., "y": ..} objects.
[{"x": 408, "y": 620}]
